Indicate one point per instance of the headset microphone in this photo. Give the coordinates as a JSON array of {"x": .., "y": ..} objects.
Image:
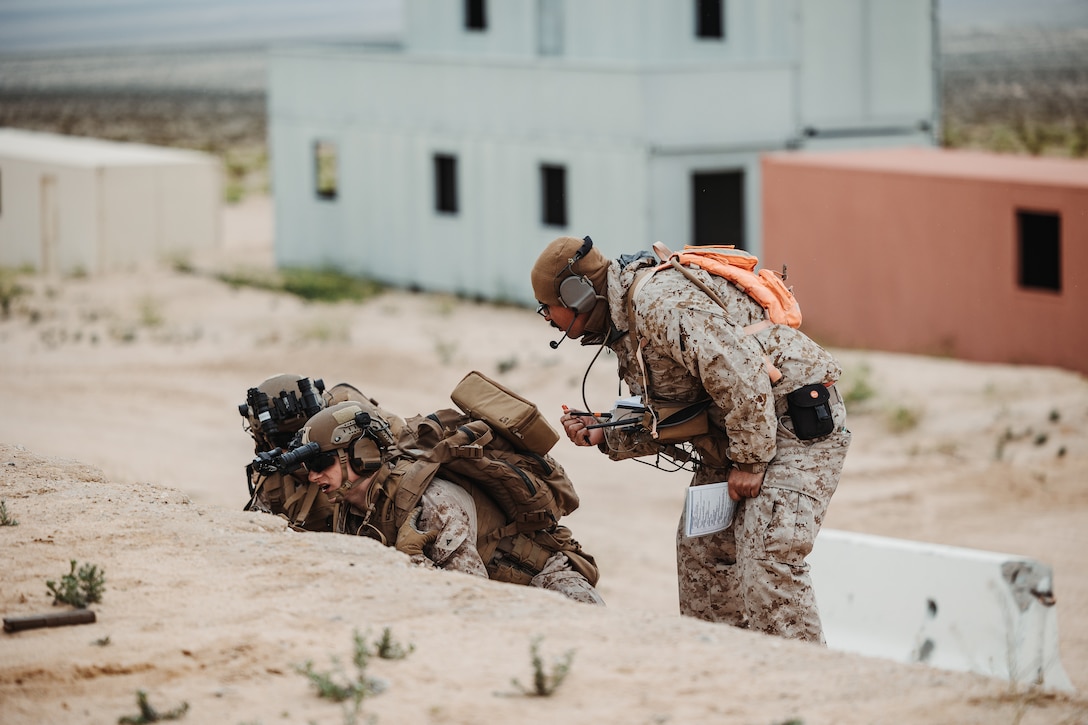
[{"x": 556, "y": 343}]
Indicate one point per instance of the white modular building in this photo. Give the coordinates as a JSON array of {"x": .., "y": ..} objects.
[
  {"x": 446, "y": 161},
  {"x": 81, "y": 205}
]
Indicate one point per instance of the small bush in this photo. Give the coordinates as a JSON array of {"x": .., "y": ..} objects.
[
  {"x": 902, "y": 419},
  {"x": 150, "y": 714},
  {"x": 10, "y": 290},
  {"x": 335, "y": 685},
  {"x": 79, "y": 588},
  {"x": 150, "y": 312},
  {"x": 858, "y": 388},
  {"x": 6, "y": 519},
  {"x": 544, "y": 683},
  {"x": 388, "y": 649}
]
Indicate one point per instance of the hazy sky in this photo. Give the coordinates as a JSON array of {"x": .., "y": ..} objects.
[{"x": 30, "y": 25}]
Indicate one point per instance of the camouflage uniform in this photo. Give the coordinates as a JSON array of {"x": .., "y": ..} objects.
[
  {"x": 754, "y": 574},
  {"x": 451, "y": 511}
]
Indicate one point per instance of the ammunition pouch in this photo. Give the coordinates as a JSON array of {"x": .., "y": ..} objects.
[
  {"x": 809, "y": 408},
  {"x": 519, "y": 558}
]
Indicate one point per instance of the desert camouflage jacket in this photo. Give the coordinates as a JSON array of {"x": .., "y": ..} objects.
[{"x": 695, "y": 349}]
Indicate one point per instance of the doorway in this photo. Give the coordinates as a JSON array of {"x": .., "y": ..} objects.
[{"x": 718, "y": 208}]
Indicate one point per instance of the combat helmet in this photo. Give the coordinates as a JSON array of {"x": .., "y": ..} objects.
[
  {"x": 277, "y": 408},
  {"x": 348, "y": 433},
  {"x": 342, "y": 392}
]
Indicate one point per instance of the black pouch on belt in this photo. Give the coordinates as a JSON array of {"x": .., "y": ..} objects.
[{"x": 810, "y": 410}]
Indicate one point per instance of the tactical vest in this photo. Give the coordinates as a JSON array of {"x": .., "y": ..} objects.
[
  {"x": 282, "y": 494},
  {"x": 519, "y": 496}
]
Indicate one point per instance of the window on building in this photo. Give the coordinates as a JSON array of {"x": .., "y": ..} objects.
[
  {"x": 326, "y": 172},
  {"x": 549, "y": 27},
  {"x": 476, "y": 14},
  {"x": 553, "y": 184},
  {"x": 1040, "y": 250},
  {"x": 445, "y": 183},
  {"x": 710, "y": 19},
  {"x": 718, "y": 208}
]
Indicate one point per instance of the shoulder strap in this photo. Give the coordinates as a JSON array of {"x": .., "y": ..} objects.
[{"x": 672, "y": 260}]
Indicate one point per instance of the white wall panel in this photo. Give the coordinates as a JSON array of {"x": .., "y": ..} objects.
[
  {"x": 949, "y": 607},
  {"x": 632, "y": 107},
  {"x": 901, "y": 51}
]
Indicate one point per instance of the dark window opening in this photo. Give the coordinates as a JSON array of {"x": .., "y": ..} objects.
[
  {"x": 445, "y": 183},
  {"x": 553, "y": 182},
  {"x": 1040, "y": 250},
  {"x": 326, "y": 173},
  {"x": 476, "y": 14},
  {"x": 718, "y": 208},
  {"x": 710, "y": 19}
]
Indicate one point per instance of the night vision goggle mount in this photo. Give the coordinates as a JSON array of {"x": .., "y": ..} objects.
[
  {"x": 278, "y": 460},
  {"x": 270, "y": 413}
]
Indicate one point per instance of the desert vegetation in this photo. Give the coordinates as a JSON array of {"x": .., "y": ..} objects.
[{"x": 1016, "y": 92}]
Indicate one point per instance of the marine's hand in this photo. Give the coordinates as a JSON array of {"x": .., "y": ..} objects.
[
  {"x": 744, "y": 485},
  {"x": 411, "y": 540},
  {"x": 575, "y": 428}
]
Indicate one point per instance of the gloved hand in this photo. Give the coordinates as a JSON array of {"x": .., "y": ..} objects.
[{"x": 410, "y": 540}]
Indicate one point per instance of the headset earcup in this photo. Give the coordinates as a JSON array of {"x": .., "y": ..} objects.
[
  {"x": 577, "y": 293},
  {"x": 364, "y": 456}
]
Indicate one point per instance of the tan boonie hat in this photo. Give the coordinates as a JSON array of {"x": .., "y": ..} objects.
[{"x": 551, "y": 269}]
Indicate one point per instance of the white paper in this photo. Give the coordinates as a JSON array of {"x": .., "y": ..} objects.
[{"x": 708, "y": 509}]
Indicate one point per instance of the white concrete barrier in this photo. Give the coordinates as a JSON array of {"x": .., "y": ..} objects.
[{"x": 949, "y": 607}]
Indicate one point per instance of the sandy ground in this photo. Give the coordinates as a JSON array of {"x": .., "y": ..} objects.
[{"x": 121, "y": 445}]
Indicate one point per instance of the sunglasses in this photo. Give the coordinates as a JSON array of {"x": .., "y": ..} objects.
[{"x": 321, "y": 461}]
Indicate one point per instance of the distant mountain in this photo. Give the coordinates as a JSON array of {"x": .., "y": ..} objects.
[
  {"x": 959, "y": 16},
  {"x": 39, "y": 26}
]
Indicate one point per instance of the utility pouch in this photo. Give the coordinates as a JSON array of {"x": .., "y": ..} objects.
[
  {"x": 677, "y": 422},
  {"x": 512, "y": 416},
  {"x": 809, "y": 408}
]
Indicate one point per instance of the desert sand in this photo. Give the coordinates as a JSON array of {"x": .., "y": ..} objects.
[{"x": 121, "y": 446}]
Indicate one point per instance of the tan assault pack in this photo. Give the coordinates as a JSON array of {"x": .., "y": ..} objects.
[
  {"x": 512, "y": 416},
  {"x": 521, "y": 494}
]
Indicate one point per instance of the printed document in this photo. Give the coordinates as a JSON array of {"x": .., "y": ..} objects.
[{"x": 708, "y": 509}]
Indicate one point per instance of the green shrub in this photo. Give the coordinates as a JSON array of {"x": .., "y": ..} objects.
[
  {"x": 10, "y": 290},
  {"x": 546, "y": 683},
  {"x": 328, "y": 285},
  {"x": 855, "y": 386},
  {"x": 335, "y": 685},
  {"x": 314, "y": 285},
  {"x": 6, "y": 519},
  {"x": 150, "y": 714},
  {"x": 79, "y": 588}
]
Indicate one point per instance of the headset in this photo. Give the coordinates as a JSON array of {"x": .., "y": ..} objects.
[
  {"x": 365, "y": 452},
  {"x": 576, "y": 291}
]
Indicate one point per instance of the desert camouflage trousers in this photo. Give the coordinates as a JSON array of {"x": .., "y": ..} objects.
[
  {"x": 559, "y": 576},
  {"x": 753, "y": 575}
]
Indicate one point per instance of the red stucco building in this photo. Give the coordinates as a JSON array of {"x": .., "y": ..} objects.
[{"x": 973, "y": 255}]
